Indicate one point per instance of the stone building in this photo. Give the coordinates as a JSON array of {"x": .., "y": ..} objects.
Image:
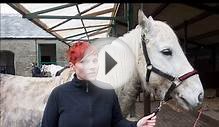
[{"x": 22, "y": 42}]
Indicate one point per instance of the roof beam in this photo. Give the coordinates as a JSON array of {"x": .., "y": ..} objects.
[
  {"x": 72, "y": 40},
  {"x": 98, "y": 32},
  {"x": 100, "y": 12},
  {"x": 87, "y": 32},
  {"x": 82, "y": 22},
  {"x": 79, "y": 27},
  {"x": 192, "y": 20},
  {"x": 23, "y": 11},
  {"x": 67, "y": 17},
  {"x": 159, "y": 10},
  {"x": 212, "y": 10},
  {"x": 76, "y": 15},
  {"x": 115, "y": 10},
  {"x": 52, "y": 9},
  {"x": 205, "y": 35},
  {"x": 95, "y": 33}
]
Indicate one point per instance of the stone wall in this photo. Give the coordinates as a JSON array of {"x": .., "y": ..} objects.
[{"x": 26, "y": 51}]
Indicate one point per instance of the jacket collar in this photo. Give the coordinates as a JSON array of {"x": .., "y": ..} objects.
[
  {"x": 78, "y": 82},
  {"x": 82, "y": 84}
]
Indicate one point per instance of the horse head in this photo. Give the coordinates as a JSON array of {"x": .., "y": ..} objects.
[{"x": 166, "y": 57}]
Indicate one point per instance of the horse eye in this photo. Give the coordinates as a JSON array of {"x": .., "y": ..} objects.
[{"x": 167, "y": 52}]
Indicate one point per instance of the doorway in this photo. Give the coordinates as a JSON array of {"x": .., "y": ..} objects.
[
  {"x": 7, "y": 62},
  {"x": 47, "y": 54}
]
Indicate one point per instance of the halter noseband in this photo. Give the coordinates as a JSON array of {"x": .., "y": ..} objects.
[{"x": 175, "y": 81}]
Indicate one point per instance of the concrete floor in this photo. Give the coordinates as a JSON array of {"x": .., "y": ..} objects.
[{"x": 171, "y": 116}]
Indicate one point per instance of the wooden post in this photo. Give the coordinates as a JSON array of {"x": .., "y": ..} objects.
[
  {"x": 185, "y": 37},
  {"x": 142, "y": 6},
  {"x": 113, "y": 28},
  {"x": 129, "y": 16},
  {"x": 213, "y": 56},
  {"x": 217, "y": 92}
]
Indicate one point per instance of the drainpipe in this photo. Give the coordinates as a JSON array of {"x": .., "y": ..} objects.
[{"x": 36, "y": 49}]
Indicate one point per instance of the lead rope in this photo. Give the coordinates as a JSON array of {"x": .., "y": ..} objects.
[
  {"x": 158, "y": 108},
  {"x": 199, "y": 115}
]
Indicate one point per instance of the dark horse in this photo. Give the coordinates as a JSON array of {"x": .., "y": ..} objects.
[{"x": 36, "y": 72}]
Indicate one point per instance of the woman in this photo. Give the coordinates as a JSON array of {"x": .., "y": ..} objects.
[{"x": 80, "y": 103}]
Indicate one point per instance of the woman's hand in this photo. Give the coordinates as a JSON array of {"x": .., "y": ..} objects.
[{"x": 145, "y": 122}]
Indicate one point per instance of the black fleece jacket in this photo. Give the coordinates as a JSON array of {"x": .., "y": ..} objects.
[{"x": 79, "y": 103}]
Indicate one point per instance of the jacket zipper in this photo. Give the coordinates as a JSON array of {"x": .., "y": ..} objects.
[
  {"x": 87, "y": 87},
  {"x": 90, "y": 107}
]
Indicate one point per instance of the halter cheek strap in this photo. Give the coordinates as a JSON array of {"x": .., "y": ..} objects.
[{"x": 175, "y": 81}]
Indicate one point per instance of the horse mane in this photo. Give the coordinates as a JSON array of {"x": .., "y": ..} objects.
[{"x": 131, "y": 38}]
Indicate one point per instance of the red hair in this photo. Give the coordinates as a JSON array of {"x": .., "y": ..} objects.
[{"x": 76, "y": 52}]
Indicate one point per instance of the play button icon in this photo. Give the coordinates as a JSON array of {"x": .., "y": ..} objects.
[
  {"x": 116, "y": 63},
  {"x": 109, "y": 62}
]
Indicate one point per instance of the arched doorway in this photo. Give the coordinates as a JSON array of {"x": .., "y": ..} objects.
[{"x": 7, "y": 62}]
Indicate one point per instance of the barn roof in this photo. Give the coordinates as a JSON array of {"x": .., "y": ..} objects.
[
  {"x": 200, "y": 22},
  {"x": 71, "y": 21},
  {"x": 12, "y": 26},
  {"x": 196, "y": 23}
]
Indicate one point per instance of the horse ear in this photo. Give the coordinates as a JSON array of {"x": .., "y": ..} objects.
[
  {"x": 143, "y": 21},
  {"x": 151, "y": 19}
]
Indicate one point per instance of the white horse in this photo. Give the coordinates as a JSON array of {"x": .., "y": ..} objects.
[
  {"x": 23, "y": 98},
  {"x": 165, "y": 54},
  {"x": 52, "y": 68}
]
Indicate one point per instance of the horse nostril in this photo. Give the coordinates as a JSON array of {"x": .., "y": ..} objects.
[{"x": 200, "y": 97}]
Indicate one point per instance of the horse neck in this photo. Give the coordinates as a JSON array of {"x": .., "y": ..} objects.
[{"x": 133, "y": 39}]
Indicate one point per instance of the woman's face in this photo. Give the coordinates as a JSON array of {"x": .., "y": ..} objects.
[{"x": 87, "y": 68}]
